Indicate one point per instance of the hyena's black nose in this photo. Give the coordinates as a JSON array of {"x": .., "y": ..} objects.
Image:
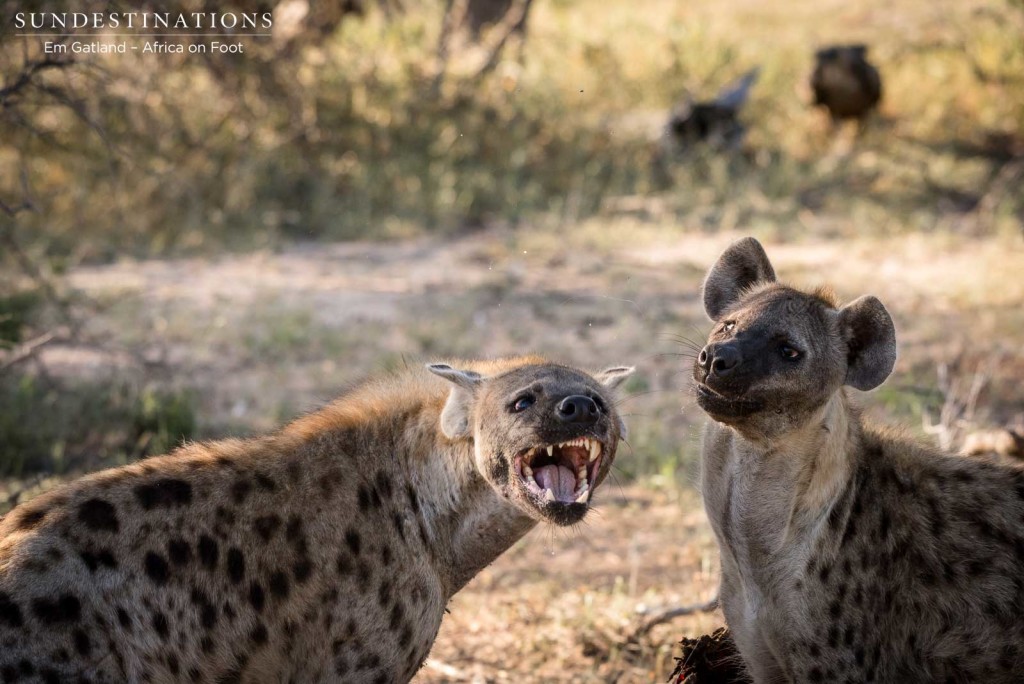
[
  {"x": 577, "y": 409},
  {"x": 719, "y": 359}
]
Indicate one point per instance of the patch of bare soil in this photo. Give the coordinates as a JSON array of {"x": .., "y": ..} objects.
[{"x": 563, "y": 605}]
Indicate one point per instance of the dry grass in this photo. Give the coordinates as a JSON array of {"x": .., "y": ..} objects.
[{"x": 560, "y": 606}]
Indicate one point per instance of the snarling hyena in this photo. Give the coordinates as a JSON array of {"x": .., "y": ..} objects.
[
  {"x": 324, "y": 552},
  {"x": 850, "y": 553}
]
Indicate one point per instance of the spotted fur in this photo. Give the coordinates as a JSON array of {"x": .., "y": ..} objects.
[
  {"x": 323, "y": 553},
  {"x": 850, "y": 553}
]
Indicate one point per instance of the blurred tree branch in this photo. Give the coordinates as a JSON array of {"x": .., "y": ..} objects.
[{"x": 506, "y": 17}]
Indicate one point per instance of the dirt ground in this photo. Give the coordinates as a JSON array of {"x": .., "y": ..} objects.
[
  {"x": 564, "y": 605},
  {"x": 262, "y": 337}
]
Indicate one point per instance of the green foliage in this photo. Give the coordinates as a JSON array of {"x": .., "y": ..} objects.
[
  {"x": 86, "y": 425},
  {"x": 347, "y": 137},
  {"x": 162, "y": 420},
  {"x": 16, "y": 312}
]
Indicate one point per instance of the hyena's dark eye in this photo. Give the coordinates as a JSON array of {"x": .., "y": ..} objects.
[
  {"x": 789, "y": 353},
  {"x": 522, "y": 403},
  {"x": 728, "y": 326}
]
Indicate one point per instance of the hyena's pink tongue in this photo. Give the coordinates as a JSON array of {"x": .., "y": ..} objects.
[{"x": 559, "y": 479}]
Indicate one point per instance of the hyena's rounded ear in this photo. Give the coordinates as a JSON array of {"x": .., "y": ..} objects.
[
  {"x": 741, "y": 265},
  {"x": 613, "y": 377},
  {"x": 458, "y": 409},
  {"x": 870, "y": 338}
]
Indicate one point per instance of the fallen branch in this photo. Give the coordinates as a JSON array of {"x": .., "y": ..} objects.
[
  {"x": 669, "y": 614},
  {"x": 27, "y": 350}
]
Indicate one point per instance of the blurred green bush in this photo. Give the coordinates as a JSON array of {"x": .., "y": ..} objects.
[
  {"x": 347, "y": 137},
  {"x": 84, "y": 425}
]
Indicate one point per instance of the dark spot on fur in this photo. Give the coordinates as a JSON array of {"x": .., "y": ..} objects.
[
  {"x": 341, "y": 667},
  {"x": 156, "y": 567},
  {"x": 179, "y": 551},
  {"x": 66, "y": 608},
  {"x": 399, "y": 523},
  {"x": 94, "y": 560},
  {"x": 363, "y": 497},
  {"x": 368, "y": 661},
  {"x": 160, "y": 624},
  {"x": 164, "y": 493},
  {"x": 82, "y": 643},
  {"x": 256, "y": 597},
  {"x": 396, "y": 617},
  {"x": 208, "y": 552},
  {"x": 329, "y": 481},
  {"x": 240, "y": 490},
  {"x": 265, "y": 483},
  {"x": 225, "y": 515},
  {"x": 124, "y": 619},
  {"x": 266, "y": 526},
  {"x": 344, "y": 564},
  {"x": 10, "y": 613},
  {"x": 353, "y": 541},
  {"x": 384, "y": 592},
  {"x": 279, "y": 585},
  {"x": 302, "y": 569},
  {"x": 259, "y": 635},
  {"x": 29, "y": 519},
  {"x": 236, "y": 565},
  {"x": 207, "y": 611},
  {"x": 99, "y": 515},
  {"x": 405, "y": 638}
]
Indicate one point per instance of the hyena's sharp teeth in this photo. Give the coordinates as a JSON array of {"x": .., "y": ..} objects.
[
  {"x": 581, "y": 474},
  {"x": 582, "y": 498},
  {"x": 527, "y": 471},
  {"x": 549, "y": 495},
  {"x": 551, "y": 450},
  {"x": 595, "y": 450}
]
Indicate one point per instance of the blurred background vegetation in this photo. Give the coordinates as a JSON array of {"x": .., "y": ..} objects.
[{"x": 430, "y": 118}]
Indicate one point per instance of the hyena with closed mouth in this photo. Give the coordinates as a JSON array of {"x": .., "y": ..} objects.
[
  {"x": 849, "y": 552},
  {"x": 323, "y": 553}
]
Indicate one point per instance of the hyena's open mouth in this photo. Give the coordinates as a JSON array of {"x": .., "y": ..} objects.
[{"x": 561, "y": 473}]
